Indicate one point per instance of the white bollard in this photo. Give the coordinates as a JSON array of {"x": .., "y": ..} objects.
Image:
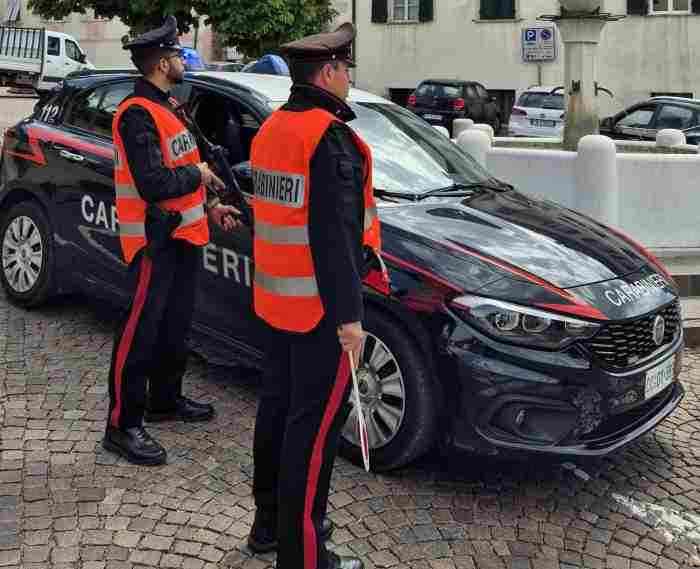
[
  {"x": 669, "y": 137},
  {"x": 442, "y": 130},
  {"x": 487, "y": 128},
  {"x": 460, "y": 125},
  {"x": 595, "y": 175},
  {"x": 476, "y": 143}
]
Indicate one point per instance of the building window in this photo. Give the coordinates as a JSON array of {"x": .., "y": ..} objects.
[
  {"x": 497, "y": 10},
  {"x": 683, "y": 94},
  {"x": 384, "y": 11},
  {"x": 404, "y": 10},
  {"x": 669, "y": 6}
]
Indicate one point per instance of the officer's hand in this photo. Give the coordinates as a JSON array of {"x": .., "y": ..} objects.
[
  {"x": 209, "y": 179},
  {"x": 351, "y": 336},
  {"x": 225, "y": 216}
]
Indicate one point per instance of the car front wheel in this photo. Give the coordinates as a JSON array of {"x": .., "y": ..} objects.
[
  {"x": 398, "y": 395},
  {"x": 27, "y": 249}
]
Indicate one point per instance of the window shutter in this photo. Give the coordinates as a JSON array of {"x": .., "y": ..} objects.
[
  {"x": 638, "y": 7},
  {"x": 380, "y": 11},
  {"x": 497, "y": 9},
  {"x": 425, "y": 10},
  {"x": 696, "y": 6}
]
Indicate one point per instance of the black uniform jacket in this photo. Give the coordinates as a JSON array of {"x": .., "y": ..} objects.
[
  {"x": 154, "y": 180},
  {"x": 336, "y": 207}
]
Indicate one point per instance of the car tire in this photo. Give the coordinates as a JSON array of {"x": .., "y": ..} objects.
[
  {"x": 412, "y": 399},
  {"x": 26, "y": 253}
]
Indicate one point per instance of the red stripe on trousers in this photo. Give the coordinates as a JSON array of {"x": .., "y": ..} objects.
[
  {"x": 128, "y": 335},
  {"x": 341, "y": 381}
]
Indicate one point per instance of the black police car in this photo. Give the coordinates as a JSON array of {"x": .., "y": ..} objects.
[{"x": 512, "y": 326}]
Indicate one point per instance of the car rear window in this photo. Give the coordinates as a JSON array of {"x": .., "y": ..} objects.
[
  {"x": 439, "y": 90},
  {"x": 449, "y": 91},
  {"x": 542, "y": 101}
]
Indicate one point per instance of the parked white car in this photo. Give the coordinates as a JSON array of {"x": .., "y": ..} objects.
[{"x": 539, "y": 112}]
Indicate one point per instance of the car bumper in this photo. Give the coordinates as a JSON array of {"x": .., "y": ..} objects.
[
  {"x": 511, "y": 404},
  {"x": 525, "y": 129}
]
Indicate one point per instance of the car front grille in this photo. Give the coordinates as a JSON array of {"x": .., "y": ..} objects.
[{"x": 621, "y": 345}]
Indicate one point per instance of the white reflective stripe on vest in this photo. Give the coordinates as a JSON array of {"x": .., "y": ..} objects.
[
  {"x": 370, "y": 216},
  {"x": 282, "y": 235},
  {"x": 286, "y": 286},
  {"x": 126, "y": 191},
  {"x": 135, "y": 229},
  {"x": 191, "y": 215}
]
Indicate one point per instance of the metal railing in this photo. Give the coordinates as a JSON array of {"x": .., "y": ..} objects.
[{"x": 26, "y": 43}]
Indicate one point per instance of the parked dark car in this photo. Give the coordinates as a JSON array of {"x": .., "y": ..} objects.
[
  {"x": 513, "y": 326},
  {"x": 440, "y": 101},
  {"x": 643, "y": 120}
]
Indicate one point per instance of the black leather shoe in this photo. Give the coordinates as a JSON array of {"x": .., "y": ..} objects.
[
  {"x": 185, "y": 410},
  {"x": 135, "y": 445},
  {"x": 263, "y": 534},
  {"x": 335, "y": 561}
]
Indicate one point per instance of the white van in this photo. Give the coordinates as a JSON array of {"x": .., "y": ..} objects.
[{"x": 38, "y": 58}]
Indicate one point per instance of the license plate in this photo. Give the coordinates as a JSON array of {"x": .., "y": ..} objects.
[
  {"x": 540, "y": 122},
  {"x": 659, "y": 377},
  {"x": 433, "y": 117}
]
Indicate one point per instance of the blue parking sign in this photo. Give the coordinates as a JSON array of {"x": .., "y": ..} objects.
[{"x": 539, "y": 44}]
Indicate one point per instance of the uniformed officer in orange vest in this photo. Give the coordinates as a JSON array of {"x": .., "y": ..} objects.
[
  {"x": 157, "y": 163},
  {"x": 314, "y": 215}
]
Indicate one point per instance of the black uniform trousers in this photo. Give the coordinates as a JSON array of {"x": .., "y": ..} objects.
[
  {"x": 149, "y": 344},
  {"x": 302, "y": 408}
]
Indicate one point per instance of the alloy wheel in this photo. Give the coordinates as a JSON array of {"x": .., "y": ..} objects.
[
  {"x": 382, "y": 395},
  {"x": 22, "y": 254}
]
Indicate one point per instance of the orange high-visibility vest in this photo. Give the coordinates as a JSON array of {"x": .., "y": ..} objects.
[
  {"x": 179, "y": 148},
  {"x": 285, "y": 291}
]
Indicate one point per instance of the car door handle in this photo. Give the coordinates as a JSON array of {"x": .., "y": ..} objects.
[{"x": 70, "y": 156}]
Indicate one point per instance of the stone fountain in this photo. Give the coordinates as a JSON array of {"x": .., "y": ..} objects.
[{"x": 580, "y": 24}]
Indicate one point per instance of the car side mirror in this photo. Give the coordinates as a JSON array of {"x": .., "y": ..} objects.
[
  {"x": 82, "y": 58},
  {"x": 607, "y": 123}
]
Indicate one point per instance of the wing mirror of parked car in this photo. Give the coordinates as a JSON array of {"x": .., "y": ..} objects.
[{"x": 606, "y": 123}]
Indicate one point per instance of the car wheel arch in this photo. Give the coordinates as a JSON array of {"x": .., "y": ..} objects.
[
  {"x": 20, "y": 195},
  {"x": 409, "y": 324}
]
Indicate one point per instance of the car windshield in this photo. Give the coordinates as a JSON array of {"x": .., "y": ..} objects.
[
  {"x": 542, "y": 101},
  {"x": 409, "y": 155}
]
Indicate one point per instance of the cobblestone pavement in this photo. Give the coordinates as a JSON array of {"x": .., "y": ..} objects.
[{"x": 66, "y": 503}]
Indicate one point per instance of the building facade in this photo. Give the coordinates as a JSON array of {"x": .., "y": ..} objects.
[{"x": 653, "y": 50}]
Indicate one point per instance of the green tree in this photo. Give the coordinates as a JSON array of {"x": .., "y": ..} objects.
[
  {"x": 139, "y": 15},
  {"x": 255, "y": 26},
  {"x": 260, "y": 26}
]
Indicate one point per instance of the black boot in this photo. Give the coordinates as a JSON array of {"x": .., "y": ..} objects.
[
  {"x": 135, "y": 445},
  {"x": 263, "y": 534},
  {"x": 185, "y": 409}
]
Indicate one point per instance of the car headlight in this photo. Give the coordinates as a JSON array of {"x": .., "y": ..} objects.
[{"x": 522, "y": 325}]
